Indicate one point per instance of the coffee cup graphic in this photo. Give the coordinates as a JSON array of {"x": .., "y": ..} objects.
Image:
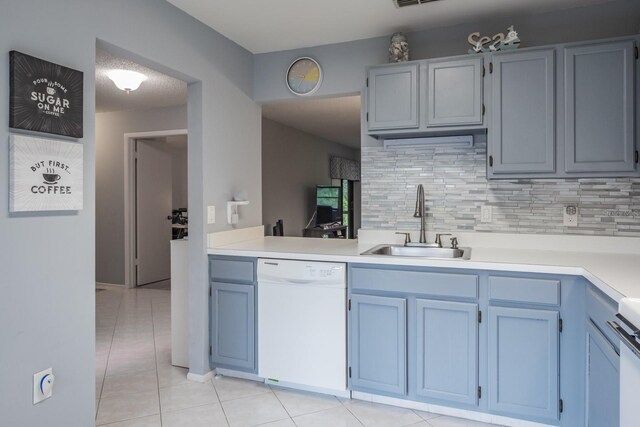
[{"x": 51, "y": 178}]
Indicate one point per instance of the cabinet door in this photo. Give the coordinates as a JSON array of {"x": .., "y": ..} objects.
[
  {"x": 523, "y": 362},
  {"x": 393, "y": 97},
  {"x": 447, "y": 346},
  {"x": 378, "y": 344},
  {"x": 603, "y": 382},
  {"x": 233, "y": 325},
  {"x": 599, "y": 108},
  {"x": 454, "y": 92},
  {"x": 522, "y": 133}
]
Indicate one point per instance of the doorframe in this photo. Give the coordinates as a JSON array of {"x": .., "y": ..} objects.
[{"x": 129, "y": 200}]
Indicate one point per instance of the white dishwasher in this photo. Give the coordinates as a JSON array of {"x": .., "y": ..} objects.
[
  {"x": 302, "y": 325},
  {"x": 628, "y": 330}
]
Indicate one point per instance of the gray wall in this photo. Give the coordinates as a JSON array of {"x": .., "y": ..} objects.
[
  {"x": 110, "y": 130},
  {"x": 293, "y": 163},
  {"x": 179, "y": 164},
  {"x": 344, "y": 64},
  {"x": 456, "y": 187},
  {"x": 388, "y": 189},
  {"x": 47, "y": 309}
]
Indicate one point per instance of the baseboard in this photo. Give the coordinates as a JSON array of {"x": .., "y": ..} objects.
[
  {"x": 108, "y": 285},
  {"x": 445, "y": 410},
  {"x": 200, "y": 378},
  {"x": 254, "y": 377},
  {"x": 238, "y": 374}
]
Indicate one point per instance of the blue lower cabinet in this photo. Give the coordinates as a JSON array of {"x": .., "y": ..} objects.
[
  {"x": 378, "y": 344},
  {"x": 603, "y": 382},
  {"x": 524, "y": 362},
  {"x": 447, "y": 350},
  {"x": 233, "y": 332}
]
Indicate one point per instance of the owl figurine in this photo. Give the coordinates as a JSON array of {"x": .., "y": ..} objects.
[{"x": 399, "y": 48}]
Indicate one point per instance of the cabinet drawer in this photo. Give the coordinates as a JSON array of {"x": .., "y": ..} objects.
[
  {"x": 232, "y": 270},
  {"x": 415, "y": 282},
  {"x": 524, "y": 290},
  {"x": 601, "y": 308}
]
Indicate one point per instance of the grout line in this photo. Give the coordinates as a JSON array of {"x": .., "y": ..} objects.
[
  {"x": 199, "y": 405},
  {"x": 281, "y": 404},
  {"x": 339, "y": 403},
  {"x": 125, "y": 421},
  {"x": 220, "y": 401},
  {"x": 104, "y": 377},
  {"x": 241, "y": 397},
  {"x": 351, "y": 412},
  {"x": 155, "y": 356}
]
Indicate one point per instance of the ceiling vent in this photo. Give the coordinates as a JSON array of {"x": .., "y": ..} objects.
[{"x": 405, "y": 3}]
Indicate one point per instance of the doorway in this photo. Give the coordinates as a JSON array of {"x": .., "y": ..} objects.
[
  {"x": 308, "y": 144},
  {"x": 157, "y": 204},
  {"x": 156, "y": 110}
]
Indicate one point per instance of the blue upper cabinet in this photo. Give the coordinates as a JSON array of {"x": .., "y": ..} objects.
[
  {"x": 521, "y": 136},
  {"x": 599, "y": 107},
  {"x": 454, "y": 92},
  {"x": 447, "y": 350},
  {"x": 393, "y": 97},
  {"x": 524, "y": 362},
  {"x": 378, "y": 344}
]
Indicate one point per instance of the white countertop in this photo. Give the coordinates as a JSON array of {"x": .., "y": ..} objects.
[{"x": 617, "y": 275}]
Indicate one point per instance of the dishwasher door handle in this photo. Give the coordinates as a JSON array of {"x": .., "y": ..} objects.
[{"x": 626, "y": 338}]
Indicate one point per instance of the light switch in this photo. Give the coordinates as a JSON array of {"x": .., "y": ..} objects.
[{"x": 211, "y": 214}]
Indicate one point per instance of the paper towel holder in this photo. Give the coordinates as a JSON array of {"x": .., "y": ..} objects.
[{"x": 232, "y": 210}]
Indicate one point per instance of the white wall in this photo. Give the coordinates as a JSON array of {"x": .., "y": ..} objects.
[
  {"x": 47, "y": 309},
  {"x": 294, "y": 162},
  {"x": 110, "y": 130}
]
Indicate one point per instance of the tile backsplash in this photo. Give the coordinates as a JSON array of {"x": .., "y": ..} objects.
[{"x": 456, "y": 187}]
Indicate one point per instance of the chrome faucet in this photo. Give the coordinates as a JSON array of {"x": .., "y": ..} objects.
[
  {"x": 407, "y": 237},
  {"x": 439, "y": 239},
  {"x": 421, "y": 213}
]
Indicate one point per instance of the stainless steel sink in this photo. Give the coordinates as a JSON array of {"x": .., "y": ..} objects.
[{"x": 419, "y": 251}]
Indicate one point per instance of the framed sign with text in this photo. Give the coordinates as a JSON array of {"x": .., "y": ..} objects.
[
  {"x": 44, "y": 174},
  {"x": 44, "y": 97}
]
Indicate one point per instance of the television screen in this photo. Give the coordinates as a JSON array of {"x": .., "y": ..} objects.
[{"x": 328, "y": 204}]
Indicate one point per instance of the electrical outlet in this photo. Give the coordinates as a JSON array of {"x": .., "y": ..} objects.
[
  {"x": 486, "y": 213},
  {"x": 570, "y": 216},
  {"x": 42, "y": 385},
  {"x": 211, "y": 214}
]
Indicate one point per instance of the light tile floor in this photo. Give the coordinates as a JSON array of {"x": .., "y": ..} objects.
[{"x": 136, "y": 386}]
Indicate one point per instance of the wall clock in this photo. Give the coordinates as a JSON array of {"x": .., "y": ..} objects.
[{"x": 304, "y": 76}]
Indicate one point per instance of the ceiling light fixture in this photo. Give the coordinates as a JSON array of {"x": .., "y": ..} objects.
[{"x": 126, "y": 80}]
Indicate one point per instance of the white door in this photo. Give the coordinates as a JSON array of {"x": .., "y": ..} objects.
[{"x": 153, "y": 212}]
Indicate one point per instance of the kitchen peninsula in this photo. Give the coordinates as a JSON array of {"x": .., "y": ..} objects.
[{"x": 446, "y": 336}]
